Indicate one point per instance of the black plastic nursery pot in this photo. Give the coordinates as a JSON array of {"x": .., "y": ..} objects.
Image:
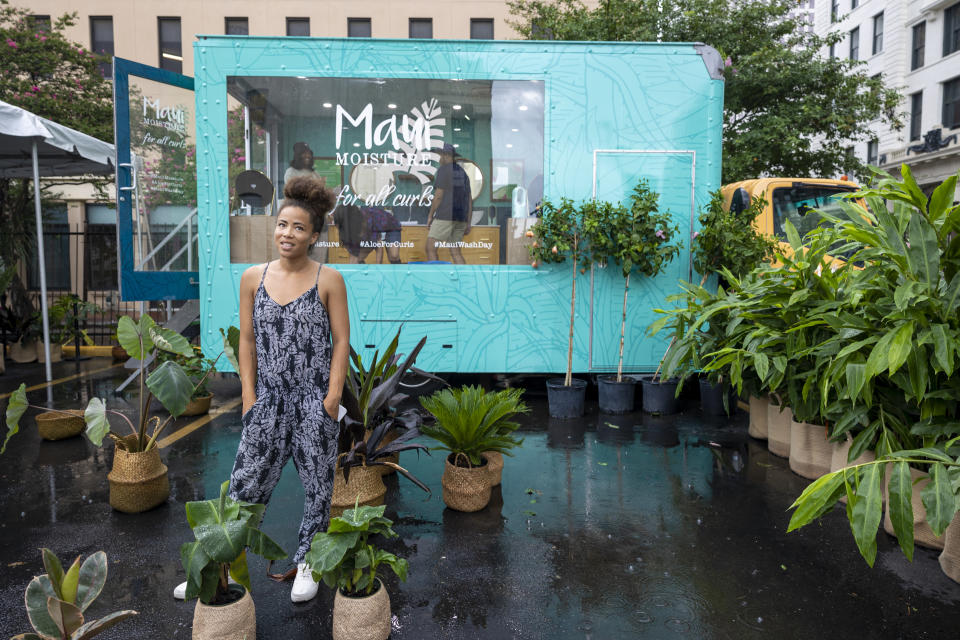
[
  {"x": 660, "y": 396},
  {"x": 711, "y": 398},
  {"x": 616, "y": 397},
  {"x": 564, "y": 401}
]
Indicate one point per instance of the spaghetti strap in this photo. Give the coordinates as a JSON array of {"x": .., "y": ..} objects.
[
  {"x": 264, "y": 274},
  {"x": 318, "y": 275}
]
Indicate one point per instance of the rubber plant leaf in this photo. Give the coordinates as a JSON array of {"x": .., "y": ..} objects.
[
  {"x": 38, "y": 592},
  {"x": 93, "y": 575},
  {"x": 16, "y": 407},
  {"x": 51, "y": 563},
  {"x": 96, "y": 627},
  {"x": 65, "y": 615},
  {"x": 70, "y": 580},
  {"x": 171, "y": 386}
]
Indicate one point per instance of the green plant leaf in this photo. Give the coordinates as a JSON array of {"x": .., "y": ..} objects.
[
  {"x": 856, "y": 375},
  {"x": 95, "y": 416},
  {"x": 924, "y": 251},
  {"x": 195, "y": 561},
  {"x": 868, "y": 511},
  {"x": 65, "y": 615},
  {"x": 941, "y": 347},
  {"x": 900, "y": 506},
  {"x": 171, "y": 386},
  {"x": 223, "y": 542},
  {"x": 327, "y": 551},
  {"x": 231, "y": 346},
  {"x": 96, "y": 627},
  {"x": 70, "y": 579},
  {"x": 239, "y": 570},
  {"x": 900, "y": 347},
  {"x": 51, "y": 563},
  {"x": 942, "y": 198},
  {"x": 93, "y": 576},
  {"x": 939, "y": 499},
  {"x": 16, "y": 407},
  {"x": 818, "y": 498},
  {"x": 38, "y": 592},
  {"x": 128, "y": 335},
  {"x": 170, "y": 341}
]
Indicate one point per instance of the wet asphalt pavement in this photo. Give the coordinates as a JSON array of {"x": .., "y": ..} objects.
[{"x": 606, "y": 527}]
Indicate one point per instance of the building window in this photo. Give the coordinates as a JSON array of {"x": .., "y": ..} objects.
[
  {"x": 919, "y": 43},
  {"x": 951, "y": 103},
  {"x": 236, "y": 26},
  {"x": 833, "y": 50},
  {"x": 877, "y": 33},
  {"x": 298, "y": 27},
  {"x": 916, "y": 114},
  {"x": 951, "y": 29},
  {"x": 421, "y": 28},
  {"x": 872, "y": 155},
  {"x": 40, "y": 23},
  {"x": 854, "y": 4},
  {"x": 56, "y": 251},
  {"x": 101, "y": 41},
  {"x": 834, "y": 10},
  {"x": 855, "y": 44},
  {"x": 358, "y": 28},
  {"x": 171, "y": 53},
  {"x": 481, "y": 28},
  {"x": 100, "y": 248}
]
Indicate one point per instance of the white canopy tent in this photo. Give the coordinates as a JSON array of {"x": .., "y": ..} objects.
[{"x": 30, "y": 147}]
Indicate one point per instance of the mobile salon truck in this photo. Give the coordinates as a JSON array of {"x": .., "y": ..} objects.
[{"x": 527, "y": 122}]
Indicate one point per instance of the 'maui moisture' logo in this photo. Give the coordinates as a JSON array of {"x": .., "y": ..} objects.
[{"x": 157, "y": 115}]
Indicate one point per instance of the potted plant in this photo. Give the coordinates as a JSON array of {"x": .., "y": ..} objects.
[
  {"x": 558, "y": 236},
  {"x": 637, "y": 239},
  {"x": 216, "y": 564},
  {"x": 138, "y": 479},
  {"x": 66, "y": 315},
  {"x": 57, "y": 600},
  {"x": 344, "y": 559},
  {"x": 198, "y": 369},
  {"x": 470, "y": 422},
  {"x": 17, "y": 318}
]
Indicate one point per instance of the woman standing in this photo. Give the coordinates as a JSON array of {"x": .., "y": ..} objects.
[{"x": 294, "y": 345}]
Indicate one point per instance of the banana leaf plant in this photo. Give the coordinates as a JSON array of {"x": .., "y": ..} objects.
[
  {"x": 168, "y": 382},
  {"x": 224, "y": 530},
  {"x": 57, "y": 600}
]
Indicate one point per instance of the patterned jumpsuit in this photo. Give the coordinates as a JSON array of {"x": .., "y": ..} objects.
[{"x": 288, "y": 417}]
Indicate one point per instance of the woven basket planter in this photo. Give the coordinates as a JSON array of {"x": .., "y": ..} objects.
[
  {"x": 778, "y": 430},
  {"x": 138, "y": 481},
  {"x": 465, "y": 489},
  {"x": 922, "y": 533},
  {"x": 494, "y": 466},
  {"x": 365, "y": 485},
  {"x": 390, "y": 436},
  {"x": 950, "y": 558},
  {"x": 198, "y": 406},
  {"x": 23, "y": 352},
  {"x": 56, "y": 352},
  {"x": 758, "y": 417},
  {"x": 54, "y": 425},
  {"x": 234, "y": 621},
  {"x": 363, "y": 618},
  {"x": 810, "y": 450}
]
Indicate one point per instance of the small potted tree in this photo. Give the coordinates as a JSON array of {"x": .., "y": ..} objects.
[
  {"x": 67, "y": 314},
  {"x": 470, "y": 422},
  {"x": 636, "y": 238},
  {"x": 344, "y": 559},
  {"x": 559, "y": 236},
  {"x": 57, "y": 600},
  {"x": 225, "y": 529}
]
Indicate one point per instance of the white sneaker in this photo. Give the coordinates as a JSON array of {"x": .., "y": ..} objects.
[
  {"x": 304, "y": 586},
  {"x": 180, "y": 591}
]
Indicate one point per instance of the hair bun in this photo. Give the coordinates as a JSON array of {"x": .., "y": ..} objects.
[{"x": 309, "y": 191}]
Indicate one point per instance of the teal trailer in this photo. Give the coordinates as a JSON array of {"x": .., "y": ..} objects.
[{"x": 529, "y": 121}]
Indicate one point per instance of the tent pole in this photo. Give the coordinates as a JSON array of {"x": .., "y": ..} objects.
[{"x": 42, "y": 261}]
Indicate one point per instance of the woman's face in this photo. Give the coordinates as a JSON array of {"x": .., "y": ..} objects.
[
  {"x": 306, "y": 159},
  {"x": 294, "y": 235}
]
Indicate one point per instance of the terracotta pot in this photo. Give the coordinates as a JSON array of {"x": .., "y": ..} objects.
[
  {"x": 119, "y": 353},
  {"x": 234, "y": 621},
  {"x": 950, "y": 558},
  {"x": 810, "y": 450},
  {"x": 922, "y": 533},
  {"x": 365, "y": 485},
  {"x": 778, "y": 429},
  {"x": 465, "y": 488},
  {"x": 362, "y": 618},
  {"x": 758, "y": 417},
  {"x": 138, "y": 481},
  {"x": 56, "y": 352},
  {"x": 23, "y": 352},
  {"x": 494, "y": 466},
  {"x": 198, "y": 406}
]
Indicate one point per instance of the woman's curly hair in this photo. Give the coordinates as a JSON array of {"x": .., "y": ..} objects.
[{"x": 312, "y": 196}]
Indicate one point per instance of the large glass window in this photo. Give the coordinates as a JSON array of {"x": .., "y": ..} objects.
[
  {"x": 101, "y": 41},
  {"x": 481, "y": 28},
  {"x": 359, "y": 28},
  {"x": 423, "y": 170},
  {"x": 421, "y": 28},
  {"x": 877, "y": 33},
  {"x": 916, "y": 115},
  {"x": 855, "y": 44},
  {"x": 171, "y": 52},
  {"x": 236, "y": 26},
  {"x": 40, "y": 23},
  {"x": 951, "y": 29},
  {"x": 918, "y": 46},
  {"x": 951, "y": 103}
]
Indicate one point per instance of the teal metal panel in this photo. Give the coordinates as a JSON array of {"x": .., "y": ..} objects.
[{"x": 600, "y": 97}]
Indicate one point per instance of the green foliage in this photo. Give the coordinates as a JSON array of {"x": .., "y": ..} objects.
[
  {"x": 557, "y": 236},
  {"x": 344, "y": 558},
  {"x": 730, "y": 240},
  {"x": 57, "y": 600},
  {"x": 471, "y": 420},
  {"x": 789, "y": 109},
  {"x": 224, "y": 530},
  {"x": 66, "y": 312},
  {"x": 195, "y": 366}
]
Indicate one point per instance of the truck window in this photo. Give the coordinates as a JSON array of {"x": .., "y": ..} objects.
[{"x": 797, "y": 204}]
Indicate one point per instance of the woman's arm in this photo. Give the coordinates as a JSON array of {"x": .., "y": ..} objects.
[
  {"x": 336, "y": 304},
  {"x": 247, "y": 356}
]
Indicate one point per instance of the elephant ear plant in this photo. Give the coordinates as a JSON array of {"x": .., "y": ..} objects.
[
  {"x": 224, "y": 529},
  {"x": 168, "y": 382},
  {"x": 57, "y": 600}
]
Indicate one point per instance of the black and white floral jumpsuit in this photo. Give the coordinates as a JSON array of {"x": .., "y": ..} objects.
[{"x": 288, "y": 417}]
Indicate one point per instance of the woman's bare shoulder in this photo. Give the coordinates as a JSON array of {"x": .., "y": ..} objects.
[
  {"x": 330, "y": 275},
  {"x": 251, "y": 275}
]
